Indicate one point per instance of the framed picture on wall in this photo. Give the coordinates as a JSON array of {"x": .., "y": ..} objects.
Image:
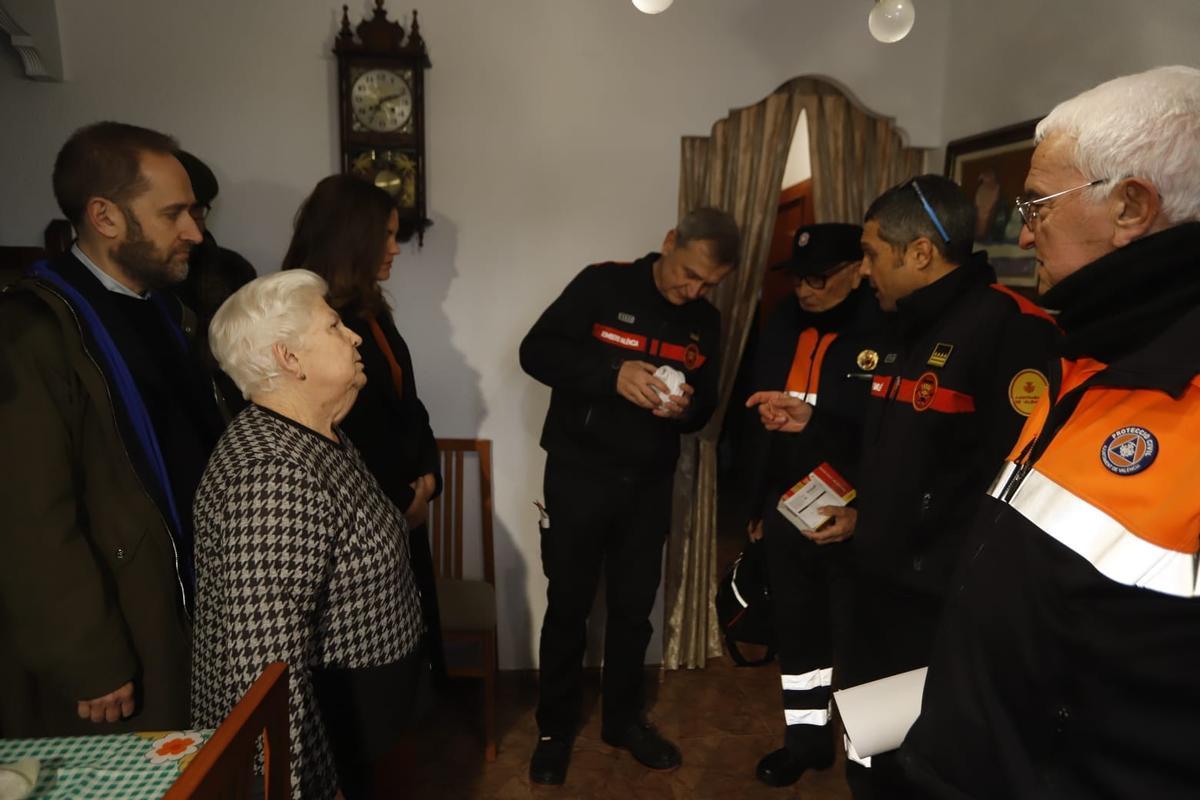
[{"x": 991, "y": 167}]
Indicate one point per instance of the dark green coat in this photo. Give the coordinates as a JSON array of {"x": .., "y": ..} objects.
[{"x": 89, "y": 595}]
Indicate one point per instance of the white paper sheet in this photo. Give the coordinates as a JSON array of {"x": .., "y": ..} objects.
[{"x": 877, "y": 715}]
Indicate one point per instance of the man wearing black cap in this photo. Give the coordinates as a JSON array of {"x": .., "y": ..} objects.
[
  {"x": 822, "y": 346},
  {"x": 966, "y": 365}
]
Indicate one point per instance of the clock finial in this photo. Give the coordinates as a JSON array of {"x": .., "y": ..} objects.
[
  {"x": 345, "y": 32},
  {"x": 414, "y": 35}
]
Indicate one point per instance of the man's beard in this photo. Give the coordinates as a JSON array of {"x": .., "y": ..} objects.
[{"x": 143, "y": 262}]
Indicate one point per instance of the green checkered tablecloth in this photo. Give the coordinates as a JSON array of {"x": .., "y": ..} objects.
[{"x": 123, "y": 766}]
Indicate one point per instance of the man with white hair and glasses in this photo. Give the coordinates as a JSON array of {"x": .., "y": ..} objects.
[{"x": 1068, "y": 660}]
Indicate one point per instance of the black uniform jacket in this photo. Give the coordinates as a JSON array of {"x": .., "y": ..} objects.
[
  {"x": 1049, "y": 679},
  {"x": 609, "y": 314},
  {"x": 856, "y": 330},
  {"x": 942, "y": 416}
]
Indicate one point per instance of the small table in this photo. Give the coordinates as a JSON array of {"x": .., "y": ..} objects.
[{"x": 129, "y": 766}]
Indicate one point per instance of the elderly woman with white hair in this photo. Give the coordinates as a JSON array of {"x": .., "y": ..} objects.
[{"x": 300, "y": 557}]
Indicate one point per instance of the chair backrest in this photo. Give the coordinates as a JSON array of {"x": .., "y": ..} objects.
[
  {"x": 224, "y": 767},
  {"x": 446, "y": 513}
]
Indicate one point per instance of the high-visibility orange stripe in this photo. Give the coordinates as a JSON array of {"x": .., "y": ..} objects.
[
  {"x": 677, "y": 352},
  {"x": 944, "y": 400},
  {"x": 1074, "y": 374},
  {"x": 1026, "y": 305},
  {"x": 619, "y": 338},
  {"x": 804, "y": 378},
  {"x": 1154, "y": 503}
]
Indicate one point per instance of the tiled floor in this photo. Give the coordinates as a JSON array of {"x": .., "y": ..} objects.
[{"x": 723, "y": 718}]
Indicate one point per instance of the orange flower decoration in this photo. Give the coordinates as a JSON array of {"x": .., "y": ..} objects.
[{"x": 175, "y": 747}]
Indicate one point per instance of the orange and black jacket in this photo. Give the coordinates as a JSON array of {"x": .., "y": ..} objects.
[
  {"x": 952, "y": 390},
  {"x": 829, "y": 359},
  {"x": 1068, "y": 662},
  {"x": 609, "y": 314}
]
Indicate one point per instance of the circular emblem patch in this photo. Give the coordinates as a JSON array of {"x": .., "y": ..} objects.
[
  {"x": 802, "y": 239},
  {"x": 1026, "y": 390},
  {"x": 924, "y": 391},
  {"x": 691, "y": 356},
  {"x": 868, "y": 360},
  {"x": 1129, "y": 450}
]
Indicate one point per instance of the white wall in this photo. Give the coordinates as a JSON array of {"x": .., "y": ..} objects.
[
  {"x": 799, "y": 166},
  {"x": 554, "y": 132},
  {"x": 1015, "y": 60}
]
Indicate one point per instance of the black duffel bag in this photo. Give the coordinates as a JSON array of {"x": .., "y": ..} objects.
[{"x": 744, "y": 606}]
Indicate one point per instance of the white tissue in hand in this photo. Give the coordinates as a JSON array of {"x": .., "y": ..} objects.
[{"x": 674, "y": 380}]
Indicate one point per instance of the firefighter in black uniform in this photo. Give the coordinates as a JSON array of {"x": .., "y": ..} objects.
[
  {"x": 965, "y": 367},
  {"x": 821, "y": 345},
  {"x": 612, "y": 439}
]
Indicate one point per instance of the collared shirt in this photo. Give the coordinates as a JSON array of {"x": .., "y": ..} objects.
[{"x": 106, "y": 280}]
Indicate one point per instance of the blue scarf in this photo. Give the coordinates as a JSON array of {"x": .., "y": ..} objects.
[{"x": 126, "y": 390}]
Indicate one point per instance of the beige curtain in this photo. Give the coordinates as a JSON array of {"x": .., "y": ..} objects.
[
  {"x": 855, "y": 156},
  {"x": 739, "y": 168}
]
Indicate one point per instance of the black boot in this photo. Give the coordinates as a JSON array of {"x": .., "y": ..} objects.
[
  {"x": 647, "y": 746},
  {"x": 550, "y": 760},
  {"x": 783, "y": 767}
]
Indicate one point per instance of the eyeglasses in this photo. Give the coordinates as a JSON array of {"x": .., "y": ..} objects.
[
  {"x": 199, "y": 211},
  {"x": 818, "y": 281},
  {"x": 937, "y": 223},
  {"x": 1028, "y": 209}
]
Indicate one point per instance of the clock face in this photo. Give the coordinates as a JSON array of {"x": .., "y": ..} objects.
[{"x": 382, "y": 101}]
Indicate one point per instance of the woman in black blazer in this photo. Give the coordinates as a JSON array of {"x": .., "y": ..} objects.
[{"x": 346, "y": 233}]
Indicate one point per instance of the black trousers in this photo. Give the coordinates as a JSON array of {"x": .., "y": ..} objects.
[
  {"x": 421, "y": 559},
  {"x": 622, "y": 524},
  {"x": 366, "y": 711},
  {"x": 810, "y": 595},
  {"x": 892, "y": 632}
]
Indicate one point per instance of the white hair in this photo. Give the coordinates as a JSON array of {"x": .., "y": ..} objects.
[
  {"x": 275, "y": 308},
  {"x": 1145, "y": 125}
]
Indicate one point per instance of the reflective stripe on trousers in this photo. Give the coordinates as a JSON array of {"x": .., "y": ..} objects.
[
  {"x": 809, "y": 680},
  {"x": 810, "y": 683},
  {"x": 808, "y": 716}
]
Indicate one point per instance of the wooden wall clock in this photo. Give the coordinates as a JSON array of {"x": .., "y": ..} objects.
[{"x": 381, "y": 101}]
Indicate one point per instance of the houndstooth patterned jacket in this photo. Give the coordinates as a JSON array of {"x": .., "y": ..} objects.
[{"x": 299, "y": 558}]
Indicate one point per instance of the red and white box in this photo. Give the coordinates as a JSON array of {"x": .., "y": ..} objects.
[{"x": 821, "y": 487}]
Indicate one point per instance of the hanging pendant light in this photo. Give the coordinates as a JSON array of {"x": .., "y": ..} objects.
[
  {"x": 652, "y": 6},
  {"x": 891, "y": 20}
]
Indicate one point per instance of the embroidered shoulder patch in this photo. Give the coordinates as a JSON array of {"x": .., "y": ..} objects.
[
  {"x": 940, "y": 355},
  {"x": 1026, "y": 390},
  {"x": 924, "y": 391},
  {"x": 1129, "y": 450}
]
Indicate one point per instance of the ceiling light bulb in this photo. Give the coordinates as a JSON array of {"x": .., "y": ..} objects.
[
  {"x": 652, "y": 6},
  {"x": 891, "y": 20}
]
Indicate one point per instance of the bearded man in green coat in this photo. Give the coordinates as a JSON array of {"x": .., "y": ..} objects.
[{"x": 107, "y": 419}]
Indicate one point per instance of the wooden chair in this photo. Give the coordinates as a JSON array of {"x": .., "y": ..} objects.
[
  {"x": 467, "y": 607},
  {"x": 224, "y": 766}
]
